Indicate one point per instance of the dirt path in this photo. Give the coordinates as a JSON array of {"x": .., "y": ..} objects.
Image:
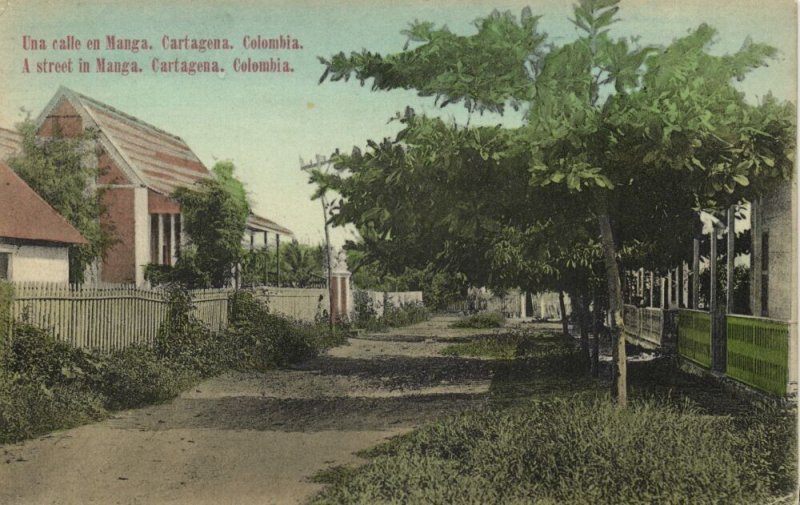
[{"x": 252, "y": 438}]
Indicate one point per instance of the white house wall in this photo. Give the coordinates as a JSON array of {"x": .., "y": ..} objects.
[{"x": 31, "y": 263}]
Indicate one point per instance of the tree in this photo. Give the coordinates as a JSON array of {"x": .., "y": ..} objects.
[
  {"x": 60, "y": 171},
  {"x": 215, "y": 215},
  {"x": 617, "y": 124}
]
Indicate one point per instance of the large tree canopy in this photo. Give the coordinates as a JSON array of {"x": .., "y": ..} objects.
[{"x": 621, "y": 146}]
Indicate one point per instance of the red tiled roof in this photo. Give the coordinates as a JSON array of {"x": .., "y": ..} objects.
[
  {"x": 26, "y": 216},
  {"x": 258, "y": 223},
  {"x": 10, "y": 143}
]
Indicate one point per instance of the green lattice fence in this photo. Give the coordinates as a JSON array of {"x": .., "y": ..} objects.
[
  {"x": 694, "y": 336},
  {"x": 758, "y": 352}
]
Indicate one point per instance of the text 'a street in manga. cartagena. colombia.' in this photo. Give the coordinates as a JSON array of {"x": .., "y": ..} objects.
[{"x": 171, "y": 55}]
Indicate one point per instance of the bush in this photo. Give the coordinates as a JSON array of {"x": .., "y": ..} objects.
[
  {"x": 567, "y": 451},
  {"x": 37, "y": 356},
  {"x": 481, "y": 320},
  {"x": 29, "y": 408},
  {"x": 185, "y": 340},
  {"x": 135, "y": 376},
  {"x": 263, "y": 340}
]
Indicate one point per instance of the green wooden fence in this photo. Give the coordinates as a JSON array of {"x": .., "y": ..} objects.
[
  {"x": 694, "y": 336},
  {"x": 758, "y": 352}
]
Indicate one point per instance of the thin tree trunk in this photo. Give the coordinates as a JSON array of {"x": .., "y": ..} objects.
[
  {"x": 598, "y": 318},
  {"x": 619, "y": 379},
  {"x": 584, "y": 319},
  {"x": 564, "y": 321}
]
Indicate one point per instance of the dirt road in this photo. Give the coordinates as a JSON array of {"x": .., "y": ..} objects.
[{"x": 252, "y": 438}]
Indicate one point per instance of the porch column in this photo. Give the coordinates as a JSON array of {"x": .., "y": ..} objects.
[
  {"x": 278, "y": 259},
  {"x": 669, "y": 290},
  {"x": 173, "y": 250},
  {"x": 160, "y": 240},
  {"x": 662, "y": 290},
  {"x": 266, "y": 260},
  {"x": 731, "y": 252},
  {"x": 650, "y": 301},
  {"x": 679, "y": 285}
]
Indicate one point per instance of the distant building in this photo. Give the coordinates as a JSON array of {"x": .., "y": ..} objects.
[
  {"x": 34, "y": 238},
  {"x": 141, "y": 166}
]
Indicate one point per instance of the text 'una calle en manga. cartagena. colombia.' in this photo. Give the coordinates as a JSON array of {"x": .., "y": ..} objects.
[{"x": 122, "y": 55}]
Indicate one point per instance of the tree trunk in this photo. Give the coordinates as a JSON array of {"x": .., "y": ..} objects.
[
  {"x": 584, "y": 318},
  {"x": 564, "y": 321},
  {"x": 598, "y": 321},
  {"x": 619, "y": 386}
]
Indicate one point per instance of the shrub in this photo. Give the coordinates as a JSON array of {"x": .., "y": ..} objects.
[
  {"x": 135, "y": 376},
  {"x": 567, "y": 451},
  {"x": 29, "y": 408},
  {"x": 36, "y": 355},
  {"x": 263, "y": 340},
  {"x": 481, "y": 320},
  {"x": 185, "y": 340}
]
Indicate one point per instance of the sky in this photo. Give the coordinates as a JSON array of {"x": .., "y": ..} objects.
[{"x": 266, "y": 122}]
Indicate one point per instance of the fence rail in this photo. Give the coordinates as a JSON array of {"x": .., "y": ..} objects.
[
  {"x": 694, "y": 336},
  {"x": 758, "y": 352},
  {"x": 645, "y": 323}
]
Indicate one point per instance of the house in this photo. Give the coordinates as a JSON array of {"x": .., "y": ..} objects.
[
  {"x": 755, "y": 343},
  {"x": 140, "y": 167},
  {"x": 34, "y": 238}
]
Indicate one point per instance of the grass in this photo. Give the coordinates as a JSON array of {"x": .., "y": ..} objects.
[
  {"x": 481, "y": 320},
  {"x": 505, "y": 346},
  {"x": 549, "y": 434}
]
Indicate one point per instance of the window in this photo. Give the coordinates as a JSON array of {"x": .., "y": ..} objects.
[
  {"x": 765, "y": 274},
  {"x": 5, "y": 260}
]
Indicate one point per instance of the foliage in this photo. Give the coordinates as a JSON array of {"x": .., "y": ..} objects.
[
  {"x": 59, "y": 169},
  {"x": 215, "y": 216},
  {"x": 569, "y": 451},
  {"x": 185, "y": 340},
  {"x": 262, "y": 340},
  {"x": 33, "y": 353},
  {"x": 621, "y": 146},
  {"x": 6, "y": 317},
  {"x": 136, "y": 376},
  {"x": 481, "y": 320},
  {"x": 366, "y": 313},
  {"x": 29, "y": 408},
  {"x": 303, "y": 264}
]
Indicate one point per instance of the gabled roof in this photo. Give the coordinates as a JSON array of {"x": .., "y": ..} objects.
[
  {"x": 147, "y": 154},
  {"x": 151, "y": 156},
  {"x": 258, "y": 223},
  {"x": 26, "y": 216},
  {"x": 10, "y": 143}
]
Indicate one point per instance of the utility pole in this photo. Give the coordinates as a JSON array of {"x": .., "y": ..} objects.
[{"x": 322, "y": 161}]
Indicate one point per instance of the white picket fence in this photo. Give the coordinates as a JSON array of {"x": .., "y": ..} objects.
[{"x": 109, "y": 317}]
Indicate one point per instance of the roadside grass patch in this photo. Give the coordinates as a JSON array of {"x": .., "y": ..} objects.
[
  {"x": 508, "y": 346},
  {"x": 481, "y": 320},
  {"x": 574, "y": 450}
]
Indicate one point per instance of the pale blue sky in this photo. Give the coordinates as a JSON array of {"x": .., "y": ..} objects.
[{"x": 266, "y": 122}]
